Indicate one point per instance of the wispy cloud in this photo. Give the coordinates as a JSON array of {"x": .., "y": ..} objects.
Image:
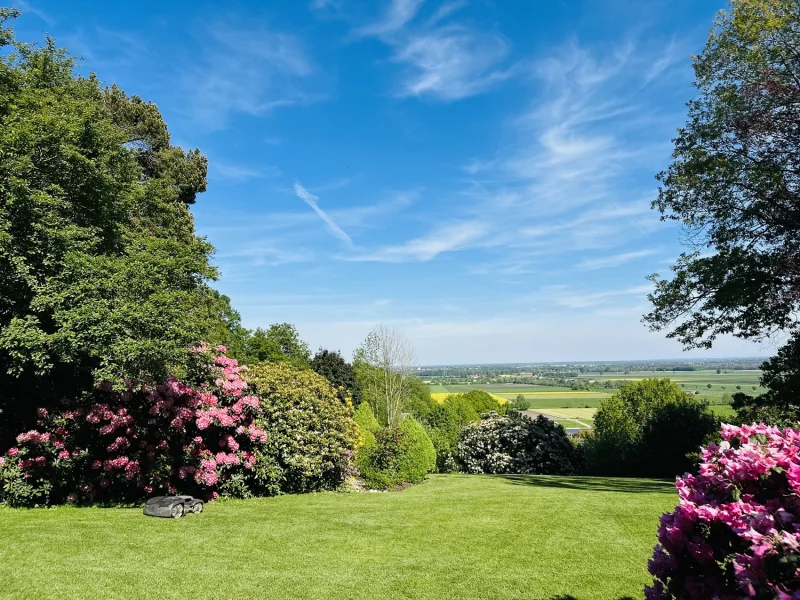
[
  {"x": 615, "y": 260},
  {"x": 27, "y": 9},
  {"x": 224, "y": 170},
  {"x": 398, "y": 14},
  {"x": 443, "y": 239},
  {"x": 445, "y": 61},
  {"x": 247, "y": 70},
  {"x": 586, "y": 299},
  {"x": 311, "y": 200}
]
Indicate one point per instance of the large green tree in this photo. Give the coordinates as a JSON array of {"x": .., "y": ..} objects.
[
  {"x": 340, "y": 373},
  {"x": 102, "y": 276},
  {"x": 648, "y": 429},
  {"x": 734, "y": 184},
  {"x": 280, "y": 342}
]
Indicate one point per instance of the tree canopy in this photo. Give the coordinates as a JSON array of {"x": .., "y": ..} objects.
[
  {"x": 339, "y": 373},
  {"x": 278, "y": 343},
  {"x": 734, "y": 183},
  {"x": 102, "y": 276}
]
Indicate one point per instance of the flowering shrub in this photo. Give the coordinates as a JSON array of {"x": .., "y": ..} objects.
[
  {"x": 736, "y": 532},
  {"x": 122, "y": 445},
  {"x": 312, "y": 435},
  {"x": 517, "y": 444}
]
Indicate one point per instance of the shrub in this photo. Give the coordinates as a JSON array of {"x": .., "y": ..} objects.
[
  {"x": 446, "y": 420},
  {"x": 312, "y": 435},
  {"x": 647, "y": 429},
  {"x": 517, "y": 444},
  {"x": 118, "y": 446},
  {"x": 735, "y": 532},
  {"x": 402, "y": 454}
]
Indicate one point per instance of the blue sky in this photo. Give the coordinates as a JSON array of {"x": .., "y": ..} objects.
[{"x": 477, "y": 173}]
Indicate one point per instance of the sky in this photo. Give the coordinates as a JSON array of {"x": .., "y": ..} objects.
[{"x": 475, "y": 173}]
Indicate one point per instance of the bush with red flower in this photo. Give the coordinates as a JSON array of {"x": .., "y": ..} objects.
[
  {"x": 736, "y": 532},
  {"x": 198, "y": 438}
]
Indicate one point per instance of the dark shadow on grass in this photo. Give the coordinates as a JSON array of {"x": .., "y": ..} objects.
[
  {"x": 568, "y": 597},
  {"x": 597, "y": 484}
]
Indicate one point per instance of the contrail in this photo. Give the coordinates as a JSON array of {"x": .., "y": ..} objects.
[{"x": 311, "y": 200}]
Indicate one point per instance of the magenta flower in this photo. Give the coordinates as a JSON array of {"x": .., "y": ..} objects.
[{"x": 746, "y": 489}]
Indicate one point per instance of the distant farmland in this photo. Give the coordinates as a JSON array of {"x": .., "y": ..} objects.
[{"x": 564, "y": 404}]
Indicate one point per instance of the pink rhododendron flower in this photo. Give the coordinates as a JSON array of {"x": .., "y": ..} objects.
[
  {"x": 63, "y": 455},
  {"x": 13, "y": 451},
  {"x": 747, "y": 486}
]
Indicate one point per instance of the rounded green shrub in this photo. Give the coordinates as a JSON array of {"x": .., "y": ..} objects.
[
  {"x": 402, "y": 454},
  {"x": 312, "y": 436}
]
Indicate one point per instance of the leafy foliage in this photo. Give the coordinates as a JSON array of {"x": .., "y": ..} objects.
[
  {"x": 312, "y": 435},
  {"x": 278, "y": 343},
  {"x": 733, "y": 182},
  {"x": 780, "y": 405},
  {"x": 517, "y": 444},
  {"x": 101, "y": 274},
  {"x": 402, "y": 454},
  {"x": 734, "y": 533},
  {"x": 339, "y": 373},
  {"x": 113, "y": 446},
  {"x": 648, "y": 429}
]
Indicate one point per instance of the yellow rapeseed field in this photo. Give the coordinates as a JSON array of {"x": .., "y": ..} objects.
[{"x": 440, "y": 396}]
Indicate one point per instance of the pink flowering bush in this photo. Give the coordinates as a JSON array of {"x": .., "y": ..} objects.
[
  {"x": 736, "y": 532},
  {"x": 117, "y": 446}
]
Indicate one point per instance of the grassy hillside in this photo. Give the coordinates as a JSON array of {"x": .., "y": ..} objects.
[{"x": 456, "y": 536}]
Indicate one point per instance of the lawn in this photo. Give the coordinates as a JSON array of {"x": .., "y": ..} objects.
[{"x": 455, "y": 536}]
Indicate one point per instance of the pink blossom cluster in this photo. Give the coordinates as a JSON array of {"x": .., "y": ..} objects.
[
  {"x": 33, "y": 437},
  {"x": 736, "y": 531},
  {"x": 151, "y": 438}
]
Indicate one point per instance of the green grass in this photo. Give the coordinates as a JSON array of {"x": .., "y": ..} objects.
[
  {"x": 455, "y": 536},
  {"x": 567, "y": 424}
]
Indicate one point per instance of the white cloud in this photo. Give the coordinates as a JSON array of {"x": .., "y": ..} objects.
[
  {"x": 399, "y": 13},
  {"x": 443, "y": 61},
  {"x": 311, "y": 200},
  {"x": 224, "y": 170},
  {"x": 451, "y": 63},
  {"x": 247, "y": 70},
  {"x": 443, "y": 239},
  {"x": 615, "y": 260}
]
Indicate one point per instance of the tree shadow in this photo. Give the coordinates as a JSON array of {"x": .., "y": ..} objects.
[
  {"x": 597, "y": 484},
  {"x": 570, "y": 597}
]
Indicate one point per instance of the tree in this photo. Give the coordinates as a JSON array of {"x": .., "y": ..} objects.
[
  {"x": 648, "y": 429},
  {"x": 102, "y": 276},
  {"x": 339, "y": 373},
  {"x": 384, "y": 364},
  {"x": 279, "y": 343},
  {"x": 734, "y": 184}
]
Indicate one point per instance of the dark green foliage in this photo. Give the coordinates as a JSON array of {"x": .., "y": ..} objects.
[
  {"x": 339, "y": 373},
  {"x": 312, "y": 435},
  {"x": 446, "y": 420},
  {"x": 781, "y": 404},
  {"x": 647, "y": 429},
  {"x": 733, "y": 183},
  {"x": 279, "y": 343},
  {"x": 517, "y": 444},
  {"x": 418, "y": 400},
  {"x": 400, "y": 455},
  {"x": 101, "y": 273}
]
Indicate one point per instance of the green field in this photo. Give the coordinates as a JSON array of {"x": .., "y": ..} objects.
[
  {"x": 693, "y": 380},
  {"x": 549, "y": 399},
  {"x": 455, "y": 536},
  {"x": 501, "y": 389}
]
